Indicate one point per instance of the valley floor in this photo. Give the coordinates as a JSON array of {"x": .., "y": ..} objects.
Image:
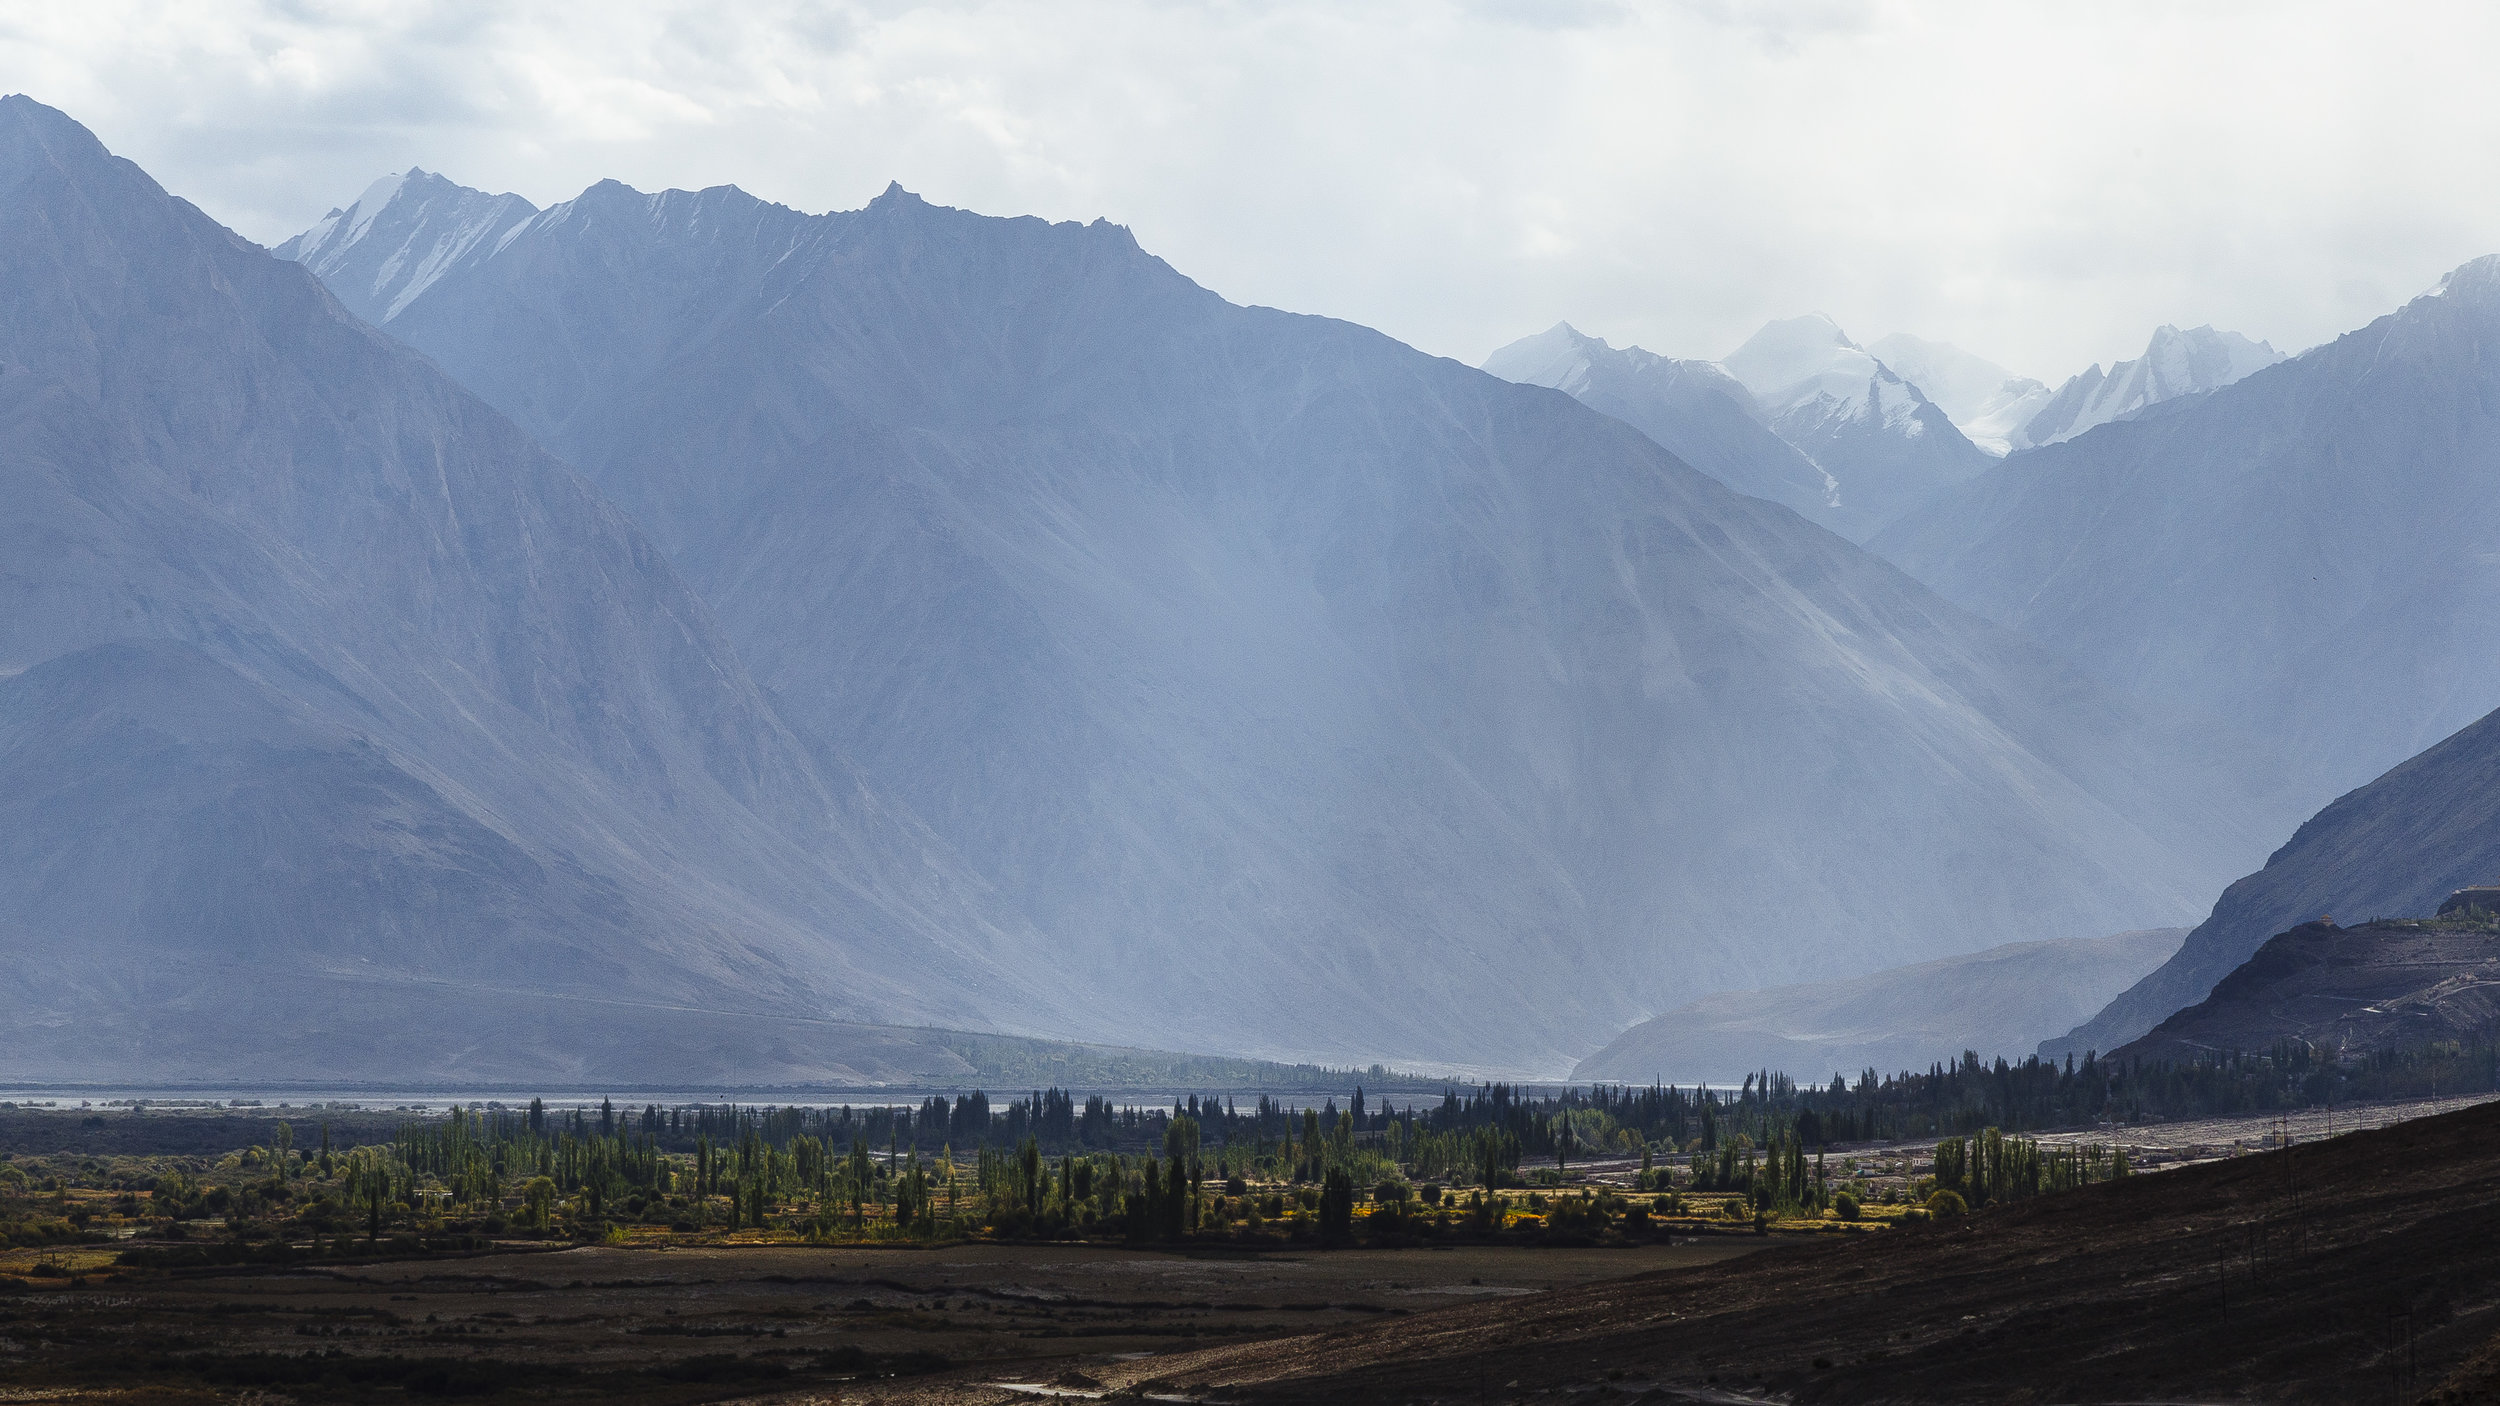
[
  {"x": 2366, "y": 1267},
  {"x": 697, "y": 1323}
]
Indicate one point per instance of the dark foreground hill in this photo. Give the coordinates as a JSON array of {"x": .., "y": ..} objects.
[
  {"x": 2275, "y": 1277},
  {"x": 2393, "y": 848},
  {"x": 2385, "y": 985}
]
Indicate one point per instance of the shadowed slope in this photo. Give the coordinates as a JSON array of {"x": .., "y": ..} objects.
[
  {"x": 2386, "y": 985},
  {"x": 1310, "y": 694},
  {"x": 422, "y": 707},
  {"x": 2302, "y": 557},
  {"x": 2393, "y": 848}
]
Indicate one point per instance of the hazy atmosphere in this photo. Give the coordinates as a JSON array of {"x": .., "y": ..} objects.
[
  {"x": 1249, "y": 704},
  {"x": 2038, "y": 183}
]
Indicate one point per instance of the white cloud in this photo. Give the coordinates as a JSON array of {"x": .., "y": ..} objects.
[{"x": 2041, "y": 183}]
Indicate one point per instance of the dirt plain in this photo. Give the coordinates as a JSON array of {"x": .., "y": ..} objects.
[{"x": 698, "y": 1323}]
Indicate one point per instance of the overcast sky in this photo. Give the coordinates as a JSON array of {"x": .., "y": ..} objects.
[{"x": 2041, "y": 184}]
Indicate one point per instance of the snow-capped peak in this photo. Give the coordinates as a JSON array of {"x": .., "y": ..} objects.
[
  {"x": 2175, "y": 363},
  {"x": 400, "y": 236},
  {"x": 376, "y": 198},
  {"x": 1777, "y": 360},
  {"x": 1559, "y": 357},
  {"x": 1988, "y": 403},
  {"x": 1807, "y": 365},
  {"x": 2473, "y": 276}
]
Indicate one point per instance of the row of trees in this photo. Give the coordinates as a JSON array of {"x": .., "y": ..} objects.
[
  {"x": 1991, "y": 1167},
  {"x": 1118, "y": 1161}
]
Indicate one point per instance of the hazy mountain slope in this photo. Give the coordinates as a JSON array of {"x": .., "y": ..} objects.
[
  {"x": 1995, "y": 1002},
  {"x": 2393, "y": 849},
  {"x": 1309, "y": 693},
  {"x": 2302, "y": 556},
  {"x": 1698, "y": 412},
  {"x": 1987, "y": 403},
  {"x": 1873, "y": 432},
  {"x": 424, "y": 709},
  {"x": 2174, "y": 364}
]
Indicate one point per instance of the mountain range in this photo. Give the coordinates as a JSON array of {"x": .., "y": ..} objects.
[
  {"x": 1696, "y": 411},
  {"x": 673, "y": 635},
  {"x": 1800, "y": 415},
  {"x": 2300, "y": 559},
  {"x": 1302, "y": 692},
  {"x": 1989, "y": 404},
  {"x": 337, "y": 715},
  {"x": 2174, "y": 364}
]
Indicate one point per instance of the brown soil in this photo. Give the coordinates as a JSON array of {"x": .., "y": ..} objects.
[
  {"x": 2362, "y": 1269},
  {"x": 700, "y": 1324}
]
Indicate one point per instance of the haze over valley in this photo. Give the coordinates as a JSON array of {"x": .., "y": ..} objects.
[
  {"x": 986, "y": 627},
  {"x": 942, "y": 705}
]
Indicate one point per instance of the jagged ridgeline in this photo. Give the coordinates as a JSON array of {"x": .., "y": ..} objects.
[
  {"x": 1298, "y": 692},
  {"x": 2292, "y": 559},
  {"x": 345, "y": 732}
]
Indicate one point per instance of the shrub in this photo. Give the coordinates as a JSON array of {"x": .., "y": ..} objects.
[
  {"x": 1945, "y": 1205},
  {"x": 1845, "y": 1206},
  {"x": 1734, "y": 1208}
]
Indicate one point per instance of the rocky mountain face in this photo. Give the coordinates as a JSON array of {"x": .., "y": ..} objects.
[
  {"x": 344, "y": 732},
  {"x": 2388, "y": 984},
  {"x": 1692, "y": 408},
  {"x": 1301, "y": 691},
  {"x": 2300, "y": 559},
  {"x": 2174, "y": 364},
  {"x": 1886, "y": 444},
  {"x": 1988, "y": 404},
  {"x": 1995, "y": 1002},
  {"x": 2395, "y": 847},
  {"x": 405, "y": 231}
]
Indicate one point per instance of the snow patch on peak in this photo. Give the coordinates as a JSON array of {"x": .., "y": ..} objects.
[
  {"x": 2175, "y": 363},
  {"x": 374, "y": 201},
  {"x": 2473, "y": 278},
  {"x": 1986, "y": 402},
  {"x": 400, "y": 236},
  {"x": 1558, "y": 357},
  {"x": 1798, "y": 359}
]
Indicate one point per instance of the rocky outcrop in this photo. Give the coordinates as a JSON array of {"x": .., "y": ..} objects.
[{"x": 2382, "y": 985}]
